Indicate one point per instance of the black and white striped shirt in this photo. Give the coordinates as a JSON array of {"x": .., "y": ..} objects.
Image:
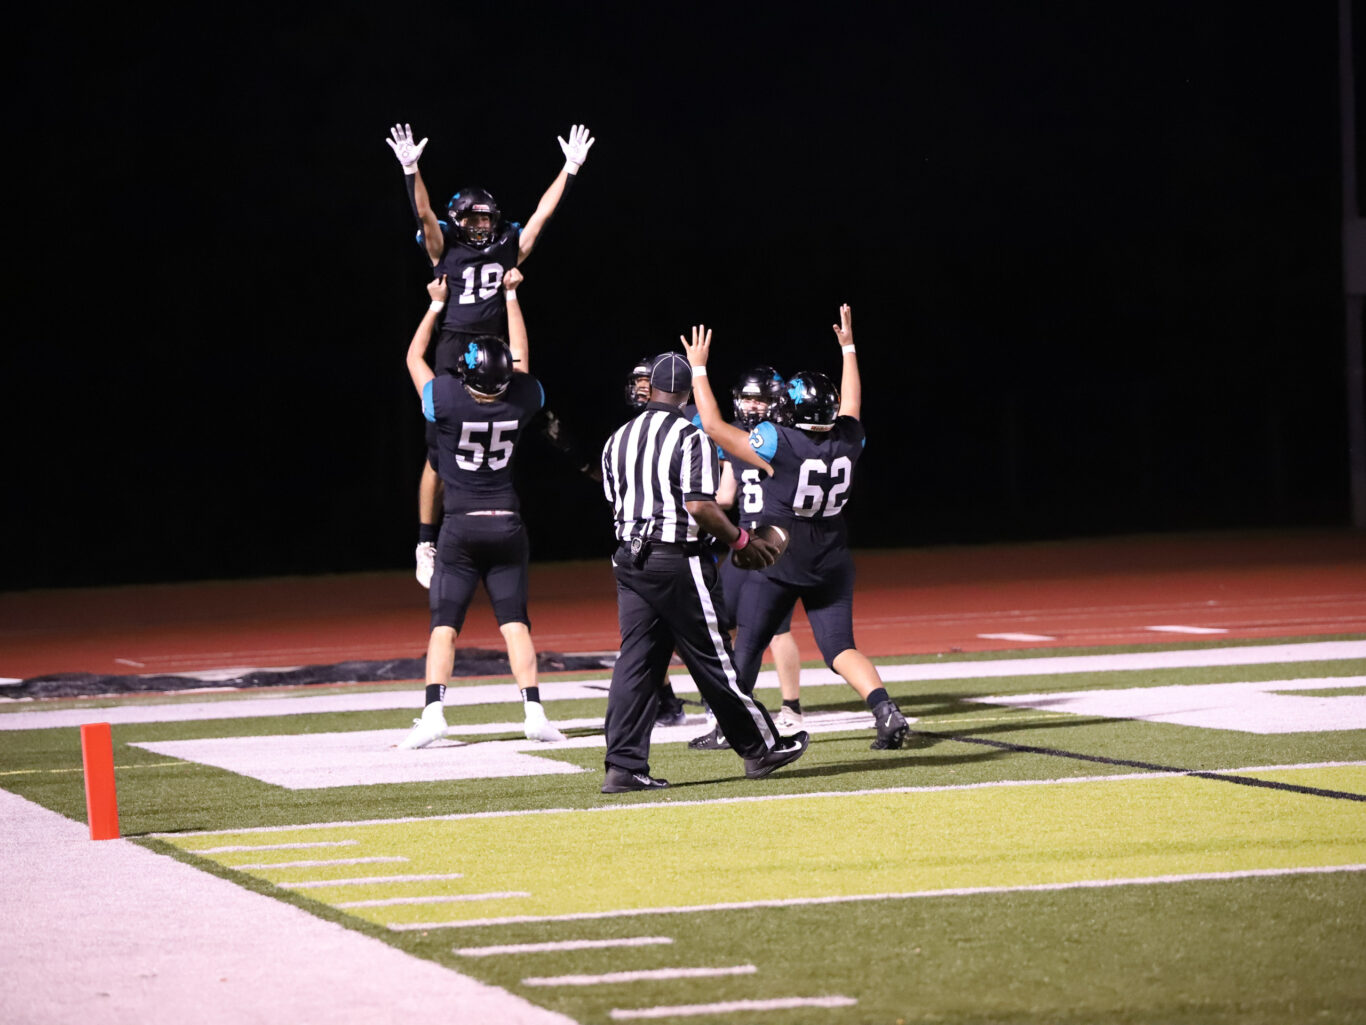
[{"x": 651, "y": 466}]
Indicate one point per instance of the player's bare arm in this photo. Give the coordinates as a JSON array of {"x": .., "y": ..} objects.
[
  {"x": 729, "y": 486},
  {"x": 575, "y": 153},
  {"x": 418, "y": 369},
  {"x": 518, "y": 341},
  {"x": 851, "y": 387},
  {"x": 728, "y": 436},
  {"x": 408, "y": 153}
]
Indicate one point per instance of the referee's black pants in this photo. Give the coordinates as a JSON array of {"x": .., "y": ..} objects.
[{"x": 670, "y": 600}]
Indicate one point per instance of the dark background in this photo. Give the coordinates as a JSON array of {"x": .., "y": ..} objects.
[{"x": 1093, "y": 256}]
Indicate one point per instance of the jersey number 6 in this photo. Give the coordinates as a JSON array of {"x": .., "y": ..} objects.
[{"x": 821, "y": 488}]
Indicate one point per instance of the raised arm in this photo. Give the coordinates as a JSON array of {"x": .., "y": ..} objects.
[
  {"x": 851, "y": 386},
  {"x": 418, "y": 369},
  {"x": 575, "y": 153},
  {"x": 517, "y": 337},
  {"x": 728, "y": 436},
  {"x": 408, "y": 153}
]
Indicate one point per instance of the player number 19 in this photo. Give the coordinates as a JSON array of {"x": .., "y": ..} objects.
[{"x": 490, "y": 280}]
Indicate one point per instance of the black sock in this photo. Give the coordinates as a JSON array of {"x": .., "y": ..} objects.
[
  {"x": 435, "y": 692},
  {"x": 795, "y": 704},
  {"x": 877, "y": 697},
  {"x": 426, "y": 533},
  {"x": 532, "y": 694}
]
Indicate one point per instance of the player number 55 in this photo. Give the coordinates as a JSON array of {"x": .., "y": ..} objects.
[{"x": 471, "y": 448}]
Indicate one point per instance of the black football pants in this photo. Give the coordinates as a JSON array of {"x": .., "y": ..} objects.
[{"x": 670, "y": 600}]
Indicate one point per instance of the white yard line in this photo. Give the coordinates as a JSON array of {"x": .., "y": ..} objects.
[
  {"x": 959, "y": 891},
  {"x": 731, "y": 1007},
  {"x": 394, "y": 860},
  {"x": 109, "y": 932},
  {"x": 277, "y": 846},
  {"x": 640, "y": 975},
  {"x": 567, "y": 690},
  {"x": 665, "y": 806},
  {"x": 502, "y": 949},
  {"x": 461, "y": 898},
  {"x": 315, "y": 884}
]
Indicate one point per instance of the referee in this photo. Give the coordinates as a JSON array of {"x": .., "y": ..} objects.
[{"x": 659, "y": 471}]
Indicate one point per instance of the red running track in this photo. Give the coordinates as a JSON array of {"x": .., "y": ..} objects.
[{"x": 1074, "y": 593}]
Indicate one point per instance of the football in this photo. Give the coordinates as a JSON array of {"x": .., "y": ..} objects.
[{"x": 776, "y": 536}]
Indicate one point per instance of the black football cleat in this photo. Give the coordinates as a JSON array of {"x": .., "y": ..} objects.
[
  {"x": 620, "y": 781},
  {"x": 712, "y": 740},
  {"x": 788, "y": 749},
  {"x": 892, "y": 727}
]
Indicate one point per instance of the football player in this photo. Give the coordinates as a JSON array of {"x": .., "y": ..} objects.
[
  {"x": 472, "y": 249},
  {"x": 759, "y": 395},
  {"x": 808, "y": 468},
  {"x": 479, "y": 416}
]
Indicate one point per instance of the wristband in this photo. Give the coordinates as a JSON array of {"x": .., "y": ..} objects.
[
  {"x": 410, "y": 169},
  {"x": 847, "y": 348},
  {"x": 437, "y": 306},
  {"x": 511, "y": 293},
  {"x": 699, "y": 371},
  {"x": 571, "y": 168},
  {"x": 740, "y": 541}
]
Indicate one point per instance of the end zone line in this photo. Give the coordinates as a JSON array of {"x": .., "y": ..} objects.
[
  {"x": 960, "y": 891},
  {"x": 664, "y": 805},
  {"x": 640, "y": 975},
  {"x": 558, "y": 945}
]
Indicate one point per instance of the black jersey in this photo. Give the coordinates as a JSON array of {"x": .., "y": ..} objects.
[
  {"x": 475, "y": 277},
  {"x": 476, "y": 440},
  {"x": 812, "y": 470}
]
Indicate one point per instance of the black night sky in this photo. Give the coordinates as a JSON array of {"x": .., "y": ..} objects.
[{"x": 1092, "y": 251}]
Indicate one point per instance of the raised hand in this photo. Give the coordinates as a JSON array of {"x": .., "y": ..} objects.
[
  {"x": 700, "y": 347},
  {"x": 844, "y": 330},
  {"x": 576, "y": 149},
  {"x": 408, "y": 152},
  {"x": 438, "y": 289},
  {"x": 512, "y": 277}
]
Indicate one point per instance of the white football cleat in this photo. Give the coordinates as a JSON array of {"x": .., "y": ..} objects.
[
  {"x": 426, "y": 562},
  {"x": 429, "y": 726},
  {"x": 537, "y": 726},
  {"x": 787, "y": 721}
]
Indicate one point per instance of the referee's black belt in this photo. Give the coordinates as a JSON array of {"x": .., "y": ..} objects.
[{"x": 638, "y": 549}]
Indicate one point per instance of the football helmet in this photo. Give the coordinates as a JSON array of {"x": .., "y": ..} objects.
[
  {"x": 634, "y": 397},
  {"x": 814, "y": 400},
  {"x": 473, "y": 201},
  {"x": 756, "y": 395},
  {"x": 487, "y": 366}
]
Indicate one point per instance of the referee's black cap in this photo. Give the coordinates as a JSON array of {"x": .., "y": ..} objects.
[{"x": 670, "y": 373}]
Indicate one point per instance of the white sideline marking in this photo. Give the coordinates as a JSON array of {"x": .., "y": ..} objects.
[
  {"x": 277, "y": 846},
  {"x": 1016, "y": 637},
  {"x": 645, "y": 807},
  {"x": 457, "y": 899},
  {"x": 368, "y": 757},
  {"x": 960, "y": 891},
  {"x": 641, "y": 975},
  {"x": 556, "y": 945},
  {"x": 569, "y": 690},
  {"x": 1187, "y": 629},
  {"x": 1247, "y": 707},
  {"x": 317, "y": 864},
  {"x": 728, "y": 1006},
  {"x": 313, "y": 884}
]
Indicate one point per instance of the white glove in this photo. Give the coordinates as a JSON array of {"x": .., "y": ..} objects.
[
  {"x": 407, "y": 151},
  {"x": 576, "y": 149}
]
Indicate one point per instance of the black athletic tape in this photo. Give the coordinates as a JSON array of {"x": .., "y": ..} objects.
[
  {"x": 1247, "y": 781},
  {"x": 410, "y": 180}
]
